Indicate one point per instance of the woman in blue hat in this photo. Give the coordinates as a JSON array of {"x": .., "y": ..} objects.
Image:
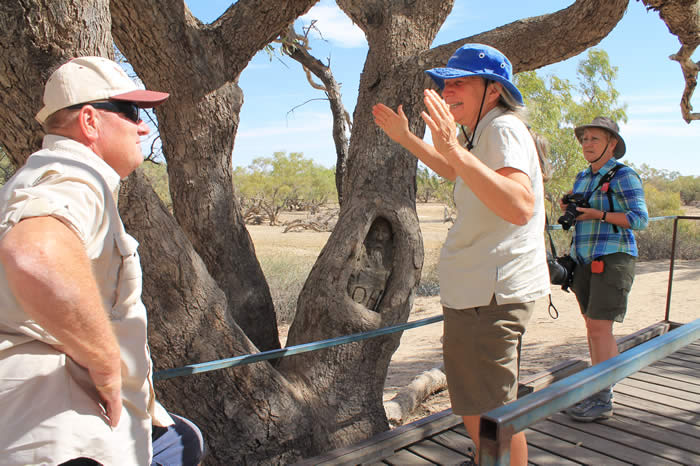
[{"x": 493, "y": 263}]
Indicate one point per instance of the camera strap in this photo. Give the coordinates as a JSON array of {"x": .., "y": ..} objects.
[
  {"x": 549, "y": 234},
  {"x": 604, "y": 185},
  {"x": 552, "y": 309}
]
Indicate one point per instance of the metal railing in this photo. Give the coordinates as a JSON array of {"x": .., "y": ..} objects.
[
  {"x": 290, "y": 351},
  {"x": 499, "y": 425},
  {"x": 317, "y": 345}
]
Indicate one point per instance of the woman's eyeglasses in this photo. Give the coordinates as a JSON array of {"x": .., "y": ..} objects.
[{"x": 128, "y": 109}]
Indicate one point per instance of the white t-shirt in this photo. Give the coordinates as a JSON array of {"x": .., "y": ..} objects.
[{"x": 483, "y": 254}]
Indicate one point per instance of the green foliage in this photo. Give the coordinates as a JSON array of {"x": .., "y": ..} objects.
[
  {"x": 270, "y": 185},
  {"x": 427, "y": 184},
  {"x": 662, "y": 203},
  {"x": 689, "y": 188},
  {"x": 665, "y": 193},
  {"x": 655, "y": 242},
  {"x": 157, "y": 174},
  {"x": 556, "y": 106}
]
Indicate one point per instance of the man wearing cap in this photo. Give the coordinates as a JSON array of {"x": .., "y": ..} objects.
[
  {"x": 493, "y": 264},
  {"x": 604, "y": 247},
  {"x": 75, "y": 370}
]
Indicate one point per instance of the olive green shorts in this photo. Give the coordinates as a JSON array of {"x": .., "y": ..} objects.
[
  {"x": 481, "y": 350},
  {"x": 603, "y": 296}
]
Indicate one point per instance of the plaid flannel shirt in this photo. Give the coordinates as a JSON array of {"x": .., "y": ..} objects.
[{"x": 593, "y": 238}]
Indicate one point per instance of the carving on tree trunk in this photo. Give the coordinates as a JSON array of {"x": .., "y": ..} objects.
[{"x": 373, "y": 266}]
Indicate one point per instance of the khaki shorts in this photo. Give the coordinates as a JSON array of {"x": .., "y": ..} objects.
[
  {"x": 481, "y": 349},
  {"x": 603, "y": 296}
]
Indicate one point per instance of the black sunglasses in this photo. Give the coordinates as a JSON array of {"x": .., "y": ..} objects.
[{"x": 128, "y": 109}]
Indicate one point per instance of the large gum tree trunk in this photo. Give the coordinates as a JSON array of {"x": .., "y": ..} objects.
[
  {"x": 35, "y": 37},
  {"x": 249, "y": 414},
  {"x": 199, "y": 65},
  {"x": 366, "y": 275}
]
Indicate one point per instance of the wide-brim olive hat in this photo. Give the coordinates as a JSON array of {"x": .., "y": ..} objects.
[
  {"x": 611, "y": 127},
  {"x": 478, "y": 60}
]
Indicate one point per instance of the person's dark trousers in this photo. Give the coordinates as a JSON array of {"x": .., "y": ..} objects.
[{"x": 180, "y": 444}]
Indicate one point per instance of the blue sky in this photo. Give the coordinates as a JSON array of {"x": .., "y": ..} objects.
[{"x": 649, "y": 83}]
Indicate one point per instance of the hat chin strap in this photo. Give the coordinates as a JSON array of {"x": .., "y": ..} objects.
[
  {"x": 470, "y": 142},
  {"x": 601, "y": 154}
]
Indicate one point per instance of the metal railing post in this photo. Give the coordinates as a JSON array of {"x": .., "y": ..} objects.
[{"x": 670, "y": 269}]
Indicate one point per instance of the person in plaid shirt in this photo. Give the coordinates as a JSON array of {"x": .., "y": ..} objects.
[{"x": 604, "y": 247}]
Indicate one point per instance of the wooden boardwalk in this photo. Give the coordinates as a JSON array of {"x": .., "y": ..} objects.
[{"x": 656, "y": 421}]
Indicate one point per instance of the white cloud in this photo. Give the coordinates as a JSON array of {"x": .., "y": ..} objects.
[{"x": 335, "y": 26}]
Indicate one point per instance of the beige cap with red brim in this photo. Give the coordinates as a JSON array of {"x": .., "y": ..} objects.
[{"x": 92, "y": 79}]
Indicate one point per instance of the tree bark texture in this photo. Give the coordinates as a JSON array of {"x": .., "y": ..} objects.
[
  {"x": 532, "y": 43},
  {"x": 199, "y": 65},
  {"x": 365, "y": 277},
  {"x": 249, "y": 414},
  {"x": 35, "y": 37}
]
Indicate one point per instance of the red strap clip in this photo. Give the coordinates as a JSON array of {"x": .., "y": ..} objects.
[{"x": 605, "y": 187}]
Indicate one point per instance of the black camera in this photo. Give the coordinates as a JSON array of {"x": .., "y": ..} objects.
[
  {"x": 561, "y": 270},
  {"x": 572, "y": 201}
]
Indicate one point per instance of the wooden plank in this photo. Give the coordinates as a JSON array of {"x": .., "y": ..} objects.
[
  {"x": 652, "y": 387},
  {"x": 455, "y": 441},
  {"x": 656, "y": 420},
  {"x": 647, "y": 448},
  {"x": 536, "y": 455},
  {"x": 681, "y": 363},
  {"x": 602, "y": 440},
  {"x": 691, "y": 358},
  {"x": 668, "y": 373},
  {"x": 657, "y": 398},
  {"x": 385, "y": 443},
  {"x": 545, "y": 378},
  {"x": 660, "y": 380},
  {"x": 404, "y": 457},
  {"x": 690, "y": 351},
  {"x": 437, "y": 453},
  {"x": 638, "y": 423},
  {"x": 678, "y": 415},
  {"x": 637, "y": 338},
  {"x": 568, "y": 450}
]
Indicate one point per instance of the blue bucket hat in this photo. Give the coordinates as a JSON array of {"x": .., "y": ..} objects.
[{"x": 478, "y": 60}]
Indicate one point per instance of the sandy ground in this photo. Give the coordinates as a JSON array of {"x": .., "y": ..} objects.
[{"x": 547, "y": 341}]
